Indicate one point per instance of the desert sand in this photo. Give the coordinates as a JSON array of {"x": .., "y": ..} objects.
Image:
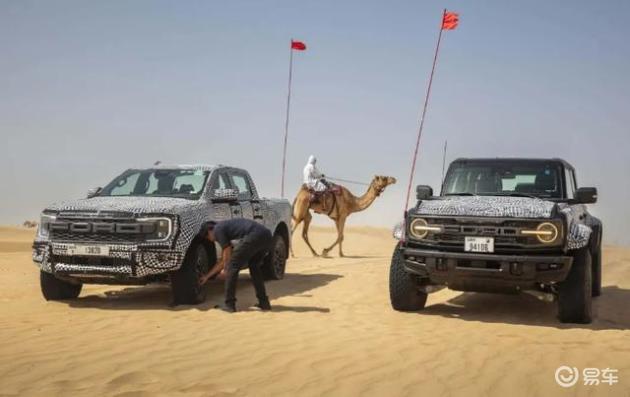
[{"x": 332, "y": 332}]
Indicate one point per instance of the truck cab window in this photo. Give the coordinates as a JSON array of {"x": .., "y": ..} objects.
[{"x": 241, "y": 183}]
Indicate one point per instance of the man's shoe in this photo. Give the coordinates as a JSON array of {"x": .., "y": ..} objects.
[
  {"x": 265, "y": 306},
  {"x": 226, "y": 307}
]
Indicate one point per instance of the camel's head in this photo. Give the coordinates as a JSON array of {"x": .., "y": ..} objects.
[{"x": 379, "y": 183}]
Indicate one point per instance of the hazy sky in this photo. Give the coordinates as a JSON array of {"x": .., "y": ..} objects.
[{"x": 88, "y": 89}]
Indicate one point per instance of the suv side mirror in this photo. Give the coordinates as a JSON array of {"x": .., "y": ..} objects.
[
  {"x": 94, "y": 192},
  {"x": 424, "y": 192},
  {"x": 586, "y": 195},
  {"x": 225, "y": 195}
]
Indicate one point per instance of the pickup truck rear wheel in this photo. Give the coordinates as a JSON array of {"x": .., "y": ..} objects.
[
  {"x": 185, "y": 281},
  {"x": 54, "y": 289},
  {"x": 276, "y": 261},
  {"x": 575, "y": 293},
  {"x": 404, "y": 292}
]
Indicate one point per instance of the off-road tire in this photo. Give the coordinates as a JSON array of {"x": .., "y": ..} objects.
[
  {"x": 404, "y": 292},
  {"x": 597, "y": 270},
  {"x": 54, "y": 289},
  {"x": 185, "y": 281},
  {"x": 276, "y": 262},
  {"x": 575, "y": 293}
]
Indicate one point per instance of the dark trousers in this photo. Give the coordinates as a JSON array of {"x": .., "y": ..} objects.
[{"x": 250, "y": 252}]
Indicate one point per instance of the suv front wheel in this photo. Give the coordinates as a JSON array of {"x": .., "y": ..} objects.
[
  {"x": 575, "y": 293},
  {"x": 404, "y": 292}
]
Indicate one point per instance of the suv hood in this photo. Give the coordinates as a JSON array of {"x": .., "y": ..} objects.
[
  {"x": 136, "y": 205},
  {"x": 487, "y": 206}
]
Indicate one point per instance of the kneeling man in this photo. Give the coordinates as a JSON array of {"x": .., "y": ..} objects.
[{"x": 255, "y": 242}]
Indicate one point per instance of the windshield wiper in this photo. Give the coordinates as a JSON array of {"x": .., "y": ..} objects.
[
  {"x": 517, "y": 194},
  {"x": 460, "y": 194}
]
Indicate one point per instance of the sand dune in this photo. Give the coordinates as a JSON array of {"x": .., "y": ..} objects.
[{"x": 333, "y": 332}]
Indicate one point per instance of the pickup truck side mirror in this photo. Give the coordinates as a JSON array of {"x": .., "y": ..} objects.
[
  {"x": 586, "y": 195},
  {"x": 225, "y": 195},
  {"x": 424, "y": 192},
  {"x": 94, "y": 192}
]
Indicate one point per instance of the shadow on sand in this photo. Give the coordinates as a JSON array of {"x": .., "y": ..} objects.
[
  {"x": 158, "y": 296},
  {"x": 610, "y": 310}
]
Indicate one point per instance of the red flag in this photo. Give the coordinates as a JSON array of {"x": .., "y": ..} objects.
[
  {"x": 450, "y": 20},
  {"x": 298, "y": 45}
]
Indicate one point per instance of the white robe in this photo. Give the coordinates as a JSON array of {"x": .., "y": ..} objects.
[{"x": 312, "y": 176}]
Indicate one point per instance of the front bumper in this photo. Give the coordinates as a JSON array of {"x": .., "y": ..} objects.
[
  {"x": 486, "y": 272},
  {"x": 124, "y": 261}
]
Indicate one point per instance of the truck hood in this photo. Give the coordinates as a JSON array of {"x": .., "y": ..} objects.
[
  {"x": 136, "y": 205},
  {"x": 487, "y": 206}
]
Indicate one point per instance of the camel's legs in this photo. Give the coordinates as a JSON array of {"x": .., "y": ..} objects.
[
  {"x": 340, "y": 223},
  {"x": 296, "y": 222},
  {"x": 307, "y": 222}
]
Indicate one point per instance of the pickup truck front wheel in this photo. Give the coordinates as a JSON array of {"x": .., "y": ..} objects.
[
  {"x": 276, "y": 261},
  {"x": 575, "y": 293},
  {"x": 404, "y": 291},
  {"x": 54, "y": 289},
  {"x": 185, "y": 281}
]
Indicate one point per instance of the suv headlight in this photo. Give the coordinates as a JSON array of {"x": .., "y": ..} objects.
[
  {"x": 43, "y": 229},
  {"x": 546, "y": 232},
  {"x": 420, "y": 228},
  {"x": 159, "y": 229}
]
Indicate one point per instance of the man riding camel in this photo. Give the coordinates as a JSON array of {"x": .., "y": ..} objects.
[{"x": 313, "y": 179}]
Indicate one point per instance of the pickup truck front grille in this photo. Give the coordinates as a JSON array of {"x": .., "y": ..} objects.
[
  {"x": 72, "y": 229},
  {"x": 103, "y": 238}
]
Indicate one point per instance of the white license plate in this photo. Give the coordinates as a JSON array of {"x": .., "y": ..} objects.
[
  {"x": 479, "y": 244},
  {"x": 88, "y": 250}
]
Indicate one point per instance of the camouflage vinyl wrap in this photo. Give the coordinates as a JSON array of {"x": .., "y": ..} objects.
[{"x": 150, "y": 258}]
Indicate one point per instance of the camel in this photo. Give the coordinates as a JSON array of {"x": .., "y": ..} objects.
[{"x": 337, "y": 207}]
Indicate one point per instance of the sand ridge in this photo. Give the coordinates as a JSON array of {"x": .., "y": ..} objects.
[{"x": 332, "y": 332}]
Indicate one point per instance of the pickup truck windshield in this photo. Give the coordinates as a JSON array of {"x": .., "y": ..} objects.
[
  {"x": 504, "y": 178},
  {"x": 158, "y": 183}
]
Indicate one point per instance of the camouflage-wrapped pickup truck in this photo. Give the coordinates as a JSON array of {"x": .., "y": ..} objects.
[
  {"x": 502, "y": 225},
  {"x": 144, "y": 227}
]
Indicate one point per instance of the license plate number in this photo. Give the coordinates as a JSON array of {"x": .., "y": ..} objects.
[
  {"x": 89, "y": 250},
  {"x": 479, "y": 244}
]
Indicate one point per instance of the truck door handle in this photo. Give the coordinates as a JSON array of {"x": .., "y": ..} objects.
[{"x": 258, "y": 217}]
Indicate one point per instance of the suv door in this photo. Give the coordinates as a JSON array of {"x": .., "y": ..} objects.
[{"x": 241, "y": 183}]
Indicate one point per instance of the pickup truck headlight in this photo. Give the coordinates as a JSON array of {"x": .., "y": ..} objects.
[
  {"x": 160, "y": 228},
  {"x": 43, "y": 231},
  {"x": 420, "y": 228},
  {"x": 546, "y": 233}
]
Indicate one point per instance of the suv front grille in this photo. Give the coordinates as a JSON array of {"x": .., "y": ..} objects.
[{"x": 506, "y": 233}]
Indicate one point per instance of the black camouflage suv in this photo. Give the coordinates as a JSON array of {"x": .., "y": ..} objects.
[{"x": 502, "y": 225}]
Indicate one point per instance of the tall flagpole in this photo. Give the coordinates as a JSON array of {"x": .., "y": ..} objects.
[
  {"x": 424, "y": 112},
  {"x": 443, "y": 163},
  {"x": 286, "y": 123}
]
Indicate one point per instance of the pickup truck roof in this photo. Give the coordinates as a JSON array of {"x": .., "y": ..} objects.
[{"x": 202, "y": 167}]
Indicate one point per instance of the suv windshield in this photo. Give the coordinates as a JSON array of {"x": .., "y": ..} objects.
[
  {"x": 158, "y": 183},
  {"x": 504, "y": 178}
]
